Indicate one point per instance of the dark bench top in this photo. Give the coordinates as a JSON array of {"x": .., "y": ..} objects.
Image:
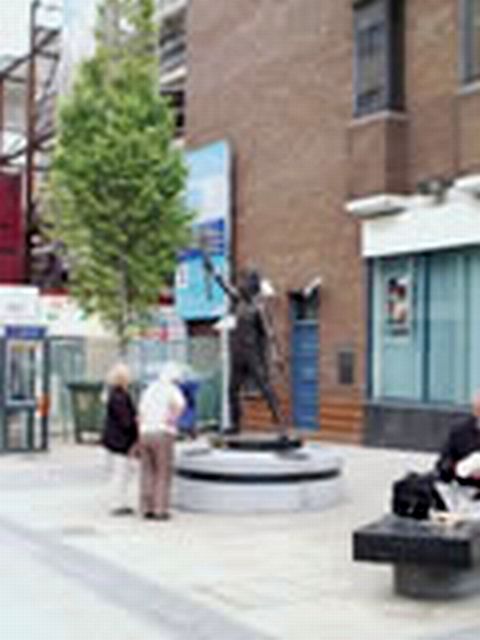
[{"x": 404, "y": 540}]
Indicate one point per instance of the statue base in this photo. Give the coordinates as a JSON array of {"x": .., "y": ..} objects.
[
  {"x": 254, "y": 441},
  {"x": 257, "y": 473}
]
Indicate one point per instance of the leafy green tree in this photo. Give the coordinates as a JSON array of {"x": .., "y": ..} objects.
[{"x": 117, "y": 181}]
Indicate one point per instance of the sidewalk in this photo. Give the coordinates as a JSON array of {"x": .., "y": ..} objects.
[{"x": 203, "y": 576}]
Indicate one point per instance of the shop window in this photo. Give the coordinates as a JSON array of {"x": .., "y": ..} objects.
[
  {"x": 425, "y": 346},
  {"x": 397, "y": 329},
  {"x": 379, "y": 36},
  {"x": 447, "y": 324},
  {"x": 471, "y": 40}
]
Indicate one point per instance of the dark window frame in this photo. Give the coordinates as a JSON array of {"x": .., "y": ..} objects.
[
  {"x": 389, "y": 32},
  {"x": 469, "y": 56},
  {"x": 346, "y": 358}
]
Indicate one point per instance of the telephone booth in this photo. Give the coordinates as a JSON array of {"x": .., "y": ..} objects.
[{"x": 23, "y": 388}]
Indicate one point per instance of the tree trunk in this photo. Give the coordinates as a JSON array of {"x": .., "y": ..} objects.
[{"x": 122, "y": 331}]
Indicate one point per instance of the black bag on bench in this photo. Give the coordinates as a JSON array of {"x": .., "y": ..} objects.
[{"x": 415, "y": 495}]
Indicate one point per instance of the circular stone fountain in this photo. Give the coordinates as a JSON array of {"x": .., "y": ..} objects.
[{"x": 256, "y": 474}]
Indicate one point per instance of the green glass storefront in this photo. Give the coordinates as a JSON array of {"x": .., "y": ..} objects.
[{"x": 424, "y": 343}]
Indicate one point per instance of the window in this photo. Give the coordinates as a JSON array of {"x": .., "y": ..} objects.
[
  {"x": 346, "y": 366},
  {"x": 173, "y": 47},
  {"x": 425, "y": 338},
  {"x": 471, "y": 40},
  {"x": 379, "y": 35},
  {"x": 305, "y": 308}
]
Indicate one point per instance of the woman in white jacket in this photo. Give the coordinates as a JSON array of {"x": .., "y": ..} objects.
[{"x": 161, "y": 406}]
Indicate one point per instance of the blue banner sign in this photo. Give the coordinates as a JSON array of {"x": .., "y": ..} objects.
[
  {"x": 27, "y": 332},
  {"x": 197, "y": 296}
]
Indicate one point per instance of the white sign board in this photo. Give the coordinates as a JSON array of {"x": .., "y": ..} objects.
[
  {"x": 19, "y": 305},
  {"x": 424, "y": 226},
  {"x": 64, "y": 318}
]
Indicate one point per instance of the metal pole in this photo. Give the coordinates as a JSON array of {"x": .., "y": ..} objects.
[
  {"x": 225, "y": 361},
  {"x": 2, "y": 113},
  {"x": 30, "y": 159}
]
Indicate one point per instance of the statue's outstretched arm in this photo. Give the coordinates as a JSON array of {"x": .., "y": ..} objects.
[{"x": 219, "y": 278}]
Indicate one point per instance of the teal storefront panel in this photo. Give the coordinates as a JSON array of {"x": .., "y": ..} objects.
[
  {"x": 473, "y": 345},
  {"x": 426, "y": 327},
  {"x": 447, "y": 327},
  {"x": 398, "y": 347}
]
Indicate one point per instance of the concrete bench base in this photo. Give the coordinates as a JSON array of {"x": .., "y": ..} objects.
[
  {"x": 435, "y": 583},
  {"x": 430, "y": 560}
]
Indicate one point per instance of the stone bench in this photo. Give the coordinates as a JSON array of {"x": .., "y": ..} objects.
[{"x": 430, "y": 560}]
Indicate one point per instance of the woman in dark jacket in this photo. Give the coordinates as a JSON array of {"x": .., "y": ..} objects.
[{"x": 120, "y": 437}]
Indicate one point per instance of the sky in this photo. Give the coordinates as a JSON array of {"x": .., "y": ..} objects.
[
  {"x": 78, "y": 19},
  {"x": 14, "y": 24}
]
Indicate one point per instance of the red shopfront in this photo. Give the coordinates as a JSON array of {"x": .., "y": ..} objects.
[{"x": 11, "y": 230}]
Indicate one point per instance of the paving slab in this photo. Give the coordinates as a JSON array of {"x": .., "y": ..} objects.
[{"x": 276, "y": 576}]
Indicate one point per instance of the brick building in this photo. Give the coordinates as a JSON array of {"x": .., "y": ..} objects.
[
  {"x": 355, "y": 129},
  {"x": 173, "y": 54}
]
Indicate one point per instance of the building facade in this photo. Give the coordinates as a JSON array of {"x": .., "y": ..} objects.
[
  {"x": 355, "y": 130},
  {"x": 173, "y": 55}
]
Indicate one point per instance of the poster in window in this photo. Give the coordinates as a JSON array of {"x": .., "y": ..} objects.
[{"x": 399, "y": 310}]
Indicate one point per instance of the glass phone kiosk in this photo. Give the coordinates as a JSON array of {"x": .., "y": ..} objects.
[{"x": 24, "y": 388}]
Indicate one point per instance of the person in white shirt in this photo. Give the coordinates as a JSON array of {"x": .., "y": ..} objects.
[{"x": 161, "y": 405}]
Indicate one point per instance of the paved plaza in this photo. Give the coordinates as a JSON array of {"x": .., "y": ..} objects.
[{"x": 71, "y": 571}]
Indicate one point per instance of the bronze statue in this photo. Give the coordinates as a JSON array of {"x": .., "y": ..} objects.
[{"x": 252, "y": 343}]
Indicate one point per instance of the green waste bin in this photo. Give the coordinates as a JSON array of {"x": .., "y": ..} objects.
[
  {"x": 88, "y": 408},
  {"x": 209, "y": 399}
]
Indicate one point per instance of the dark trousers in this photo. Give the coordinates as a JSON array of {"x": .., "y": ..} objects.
[{"x": 245, "y": 369}]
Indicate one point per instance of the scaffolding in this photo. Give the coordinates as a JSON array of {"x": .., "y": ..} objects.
[{"x": 29, "y": 86}]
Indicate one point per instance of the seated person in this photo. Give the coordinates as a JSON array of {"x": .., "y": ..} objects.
[
  {"x": 468, "y": 469},
  {"x": 458, "y": 467},
  {"x": 456, "y": 461}
]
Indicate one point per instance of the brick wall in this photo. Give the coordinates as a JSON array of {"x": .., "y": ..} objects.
[{"x": 275, "y": 78}]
